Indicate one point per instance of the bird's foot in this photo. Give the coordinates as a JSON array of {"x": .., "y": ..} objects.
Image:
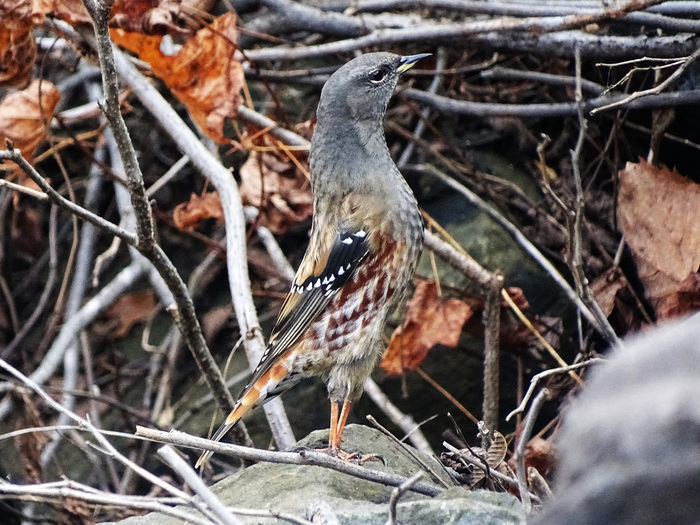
[{"x": 351, "y": 457}]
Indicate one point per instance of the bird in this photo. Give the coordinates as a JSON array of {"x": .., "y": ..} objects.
[{"x": 365, "y": 241}]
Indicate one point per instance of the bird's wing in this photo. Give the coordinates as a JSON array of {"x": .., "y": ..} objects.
[{"x": 315, "y": 284}]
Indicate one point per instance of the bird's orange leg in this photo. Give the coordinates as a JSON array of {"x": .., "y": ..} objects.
[
  {"x": 334, "y": 425},
  {"x": 340, "y": 425}
]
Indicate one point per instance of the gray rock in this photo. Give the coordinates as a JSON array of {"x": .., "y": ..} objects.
[
  {"x": 332, "y": 497},
  {"x": 630, "y": 444}
]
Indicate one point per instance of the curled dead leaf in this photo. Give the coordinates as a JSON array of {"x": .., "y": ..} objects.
[
  {"x": 612, "y": 294},
  {"x": 203, "y": 74},
  {"x": 159, "y": 17},
  {"x": 25, "y": 116},
  {"x": 539, "y": 454},
  {"x": 494, "y": 457},
  {"x": 685, "y": 299},
  {"x": 17, "y": 47},
  {"x": 658, "y": 213},
  {"x": 273, "y": 184},
  {"x": 188, "y": 215},
  {"x": 70, "y": 11},
  {"x": 430, "y": 320},
  {"x": 130, "y": 309}
]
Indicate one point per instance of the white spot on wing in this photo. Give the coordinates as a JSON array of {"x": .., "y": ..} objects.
[
  {"x": 347, "y": 240},
  {"x": 341, "y": 271}
]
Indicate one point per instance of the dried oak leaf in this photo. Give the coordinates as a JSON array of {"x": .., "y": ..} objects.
[
  {"x": 24, "y": 116},
  {"x": 130, "y": 309},
  {"x": 279, "y": 190},
  {"x": 685, "y": 299},
  {"x": 605, "y": 289},
  {"x": 612, "y": 295},
  {"x": 17, "y": 47},
  {"x": 430, "y": 320},
  {"x": 159, "y": 17},
  {"x": 188, "y": 215},
  {"x": 203, "y": 74},
  {"x": 659, "y": 213},
  {"x": 70, "y": 11}
]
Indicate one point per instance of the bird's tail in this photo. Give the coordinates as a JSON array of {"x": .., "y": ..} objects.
[
  {"x": 237, "y": 413},
  {"x": 271, "y": 384}
]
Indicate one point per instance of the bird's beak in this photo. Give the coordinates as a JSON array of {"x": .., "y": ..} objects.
[{"x": 407, "y": 62}]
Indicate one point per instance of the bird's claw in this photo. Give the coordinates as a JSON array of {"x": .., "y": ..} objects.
[{"x": 356, "y": 458}]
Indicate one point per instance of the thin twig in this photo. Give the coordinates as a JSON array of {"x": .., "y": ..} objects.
[
  {"x": 555, "y": 109},
  {"x": 15, "y": 155},
  {"x": 519, "y": 455},
  {"x": 410, "y": 452},
  {"x": 397, "y": 493},
  {"x": 538, "y": 377},
  {"x": 65, "y": 489},
  {"x": 23, "y": 189},
  {"x": 404, "y": 421},
  {"x": 656, "y": 90},
  {"x": 479, "y": 463},
  {"x": 518, "y": 312},
  {"x": 195, "y": 482}
]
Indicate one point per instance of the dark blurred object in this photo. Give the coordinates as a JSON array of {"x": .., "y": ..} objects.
[{"x": 630, "y": 445}]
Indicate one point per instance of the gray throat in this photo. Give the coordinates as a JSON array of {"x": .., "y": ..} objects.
[{"x": 354, "y": 157}]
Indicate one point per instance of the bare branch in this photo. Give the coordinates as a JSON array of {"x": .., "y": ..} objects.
[
  {"x": 305, "y": 457},
  {"x": 15, "y": 156},
  {"x": 184, "y": 314},
  {"x": 195, "y": 482},
  {"x": 519, "y": 455}
]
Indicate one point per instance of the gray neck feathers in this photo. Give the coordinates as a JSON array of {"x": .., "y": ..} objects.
[{"x": 349, "y": 154}]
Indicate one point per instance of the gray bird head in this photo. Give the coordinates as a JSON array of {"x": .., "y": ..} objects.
[{"x": 360, "y": 90}]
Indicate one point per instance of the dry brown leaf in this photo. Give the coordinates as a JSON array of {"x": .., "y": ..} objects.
[
  {"x": 70, "y": 11},
  {"x": 539, "y": 455},
  {"x": 659, "y": 214},
  {"x": 25, "y": 115},
  {"x": 17, "y": 47},
  {"x": 188, "y": 215},
  {"x": 605, "y": 289},
  {"x": 615, "y": 299},
  {"x": 159, "y": 17},
  {"x": 130, "y": 309},
  {"x": 684, "y": 300},
  {"x": 430, "y": 320},
  {"x": 279, "y": 190},
  {"x": 203, "y": 75}
]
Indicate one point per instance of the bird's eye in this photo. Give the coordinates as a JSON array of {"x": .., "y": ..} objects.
[{"x": 376, "y": 76}]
